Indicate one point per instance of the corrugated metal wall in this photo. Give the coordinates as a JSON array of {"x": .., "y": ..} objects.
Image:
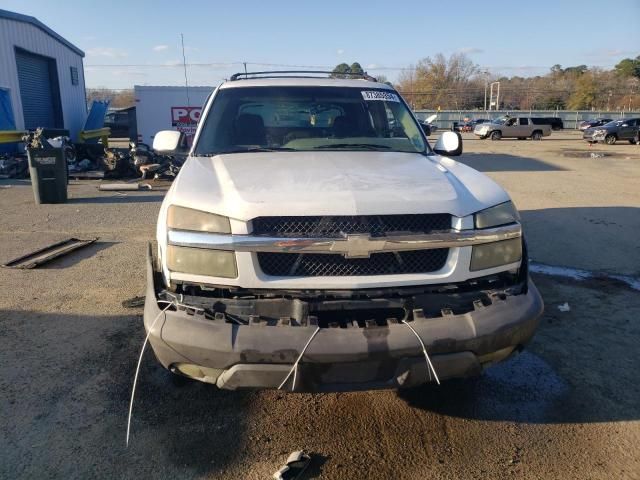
[
  {"x": 32, "y": 39},
  {"x": 38, "y": 91}
]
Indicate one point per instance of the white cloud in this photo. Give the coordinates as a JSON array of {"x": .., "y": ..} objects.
[
  {"x": 372, "y": 65},
  {"x": 160, "y": 48},
  {"x": 470, "y": 50},
  {"x": 106, "y": 52},
  {"x": 340, "y": 51}
]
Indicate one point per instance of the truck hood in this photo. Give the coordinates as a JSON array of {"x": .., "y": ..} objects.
[{"x": 248, "y": 185}]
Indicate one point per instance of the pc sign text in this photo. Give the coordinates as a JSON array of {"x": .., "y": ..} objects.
[{"x": 185, "y": 119}]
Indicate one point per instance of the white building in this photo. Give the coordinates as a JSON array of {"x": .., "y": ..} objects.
[{"x": 41, "y": 76}]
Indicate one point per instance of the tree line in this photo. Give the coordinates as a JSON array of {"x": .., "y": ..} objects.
[{"x": 456, "y": 83}]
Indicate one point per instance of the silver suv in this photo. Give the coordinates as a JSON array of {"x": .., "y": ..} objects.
[{"x": 512, "y": 127}]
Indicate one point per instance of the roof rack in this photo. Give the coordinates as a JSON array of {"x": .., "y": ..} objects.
[{"x": 298, "y": 73}]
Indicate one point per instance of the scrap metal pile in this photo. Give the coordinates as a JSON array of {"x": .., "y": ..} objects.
[
  {"x": 139, "y": 160},
  {"x": 13, "y": 166}
]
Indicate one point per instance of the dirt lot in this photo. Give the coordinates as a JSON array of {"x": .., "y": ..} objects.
[{"x": 565, "y": 408}]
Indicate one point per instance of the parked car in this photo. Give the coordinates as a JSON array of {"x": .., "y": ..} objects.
[
  {"x": 478, "y": 121},
  {"x": 469, "y": 125},
  {"x": 428, "y": 128},
  {"x": 625, "y": 129},
  {"x": 305, "y": 245},
  {"x": 461, "y": 127},
  {"x": 512, "y": 127},
  {"x": 594, "y": 123},
  {"x": 555, "y": 122},
  {"x": 122, "y": 123}
]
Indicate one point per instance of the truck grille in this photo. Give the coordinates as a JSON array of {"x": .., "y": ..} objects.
[
  {"x": 338, "y": 226},
  {"x": 334, "y": 265}
]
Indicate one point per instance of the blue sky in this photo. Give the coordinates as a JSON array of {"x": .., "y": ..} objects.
[{"x": 506, "y": 37}]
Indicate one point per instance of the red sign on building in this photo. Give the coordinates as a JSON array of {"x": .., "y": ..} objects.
[{"x": 185, "y": 119}]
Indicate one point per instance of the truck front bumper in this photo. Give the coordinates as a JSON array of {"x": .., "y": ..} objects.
[{"x": 342, "y": 357}]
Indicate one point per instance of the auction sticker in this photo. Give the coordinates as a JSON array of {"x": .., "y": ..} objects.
[{"x": 380, "y": 95}]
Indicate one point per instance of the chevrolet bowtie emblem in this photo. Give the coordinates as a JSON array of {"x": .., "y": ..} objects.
[{"x": 357, "y": 246}]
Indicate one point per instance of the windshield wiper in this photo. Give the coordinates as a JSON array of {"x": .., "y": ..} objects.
[
  {"x": 248, "y": 149},
  {"x": 367, "y": 146}
]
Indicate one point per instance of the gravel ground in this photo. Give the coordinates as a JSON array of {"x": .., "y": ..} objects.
[{"x": 567, "y": 407}]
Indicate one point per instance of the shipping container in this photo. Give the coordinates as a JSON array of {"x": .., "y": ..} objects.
[{"x": 168, "y": 108}]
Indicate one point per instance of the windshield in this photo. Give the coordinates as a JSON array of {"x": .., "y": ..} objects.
[
  {"x": 308, "y": 118},
  {"x": 500, "y": 121}
]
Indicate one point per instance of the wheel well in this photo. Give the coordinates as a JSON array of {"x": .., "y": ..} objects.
[
  {"x": 537, "y": 131},
  {"x": 611, "y": 135}
]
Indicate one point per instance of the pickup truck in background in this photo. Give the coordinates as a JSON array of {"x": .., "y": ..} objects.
[{"x": 512, "y": 127}]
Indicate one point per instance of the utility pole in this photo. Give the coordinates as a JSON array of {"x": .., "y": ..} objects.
[
  {"x": 486, "y": 84},
  {"x": 184, "y": 64},
  {"x": 497, "y": 101}
]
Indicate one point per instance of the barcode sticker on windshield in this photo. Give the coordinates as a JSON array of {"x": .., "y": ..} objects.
[{"x": 380, "y": 95}]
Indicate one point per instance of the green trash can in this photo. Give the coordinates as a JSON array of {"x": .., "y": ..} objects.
[{"x": 48, "y": 171}]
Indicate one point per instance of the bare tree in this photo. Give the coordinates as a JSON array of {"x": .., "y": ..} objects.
[
  {"x": 439, "y": 81},
  {"x": 117, "y": 98}
]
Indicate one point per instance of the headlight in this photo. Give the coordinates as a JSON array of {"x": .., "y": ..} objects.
[
  {"x": 202, "y": 261},
  {"x": 496, "y": 254},
  {"x": 502, "y": 214},
  {"x": 183, "y": 218}
]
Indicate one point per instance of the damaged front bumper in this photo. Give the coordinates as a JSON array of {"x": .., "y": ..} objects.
[
  {"x": 253, "y": 341},
  {"x": 594, "y": 137}
]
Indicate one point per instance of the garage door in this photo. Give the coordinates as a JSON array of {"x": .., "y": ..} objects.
[{"x": 38, "y": 90}]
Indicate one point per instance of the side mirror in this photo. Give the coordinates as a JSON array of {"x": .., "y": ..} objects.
[
  {"x": 449, "y": 144},
  {"x": 170, "y": 141}
]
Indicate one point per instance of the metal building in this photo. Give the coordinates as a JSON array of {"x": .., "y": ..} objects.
[{"x": 41, "y": 77}]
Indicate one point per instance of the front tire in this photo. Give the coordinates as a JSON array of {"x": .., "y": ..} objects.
[
  {"x": 496, "y": 135},
  {"x": 610, "y": 139}
]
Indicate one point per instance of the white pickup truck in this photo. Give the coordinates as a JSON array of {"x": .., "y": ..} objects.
[
  {"x": 512, "y": 127},
  {"x": 315, "y": 241}
]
